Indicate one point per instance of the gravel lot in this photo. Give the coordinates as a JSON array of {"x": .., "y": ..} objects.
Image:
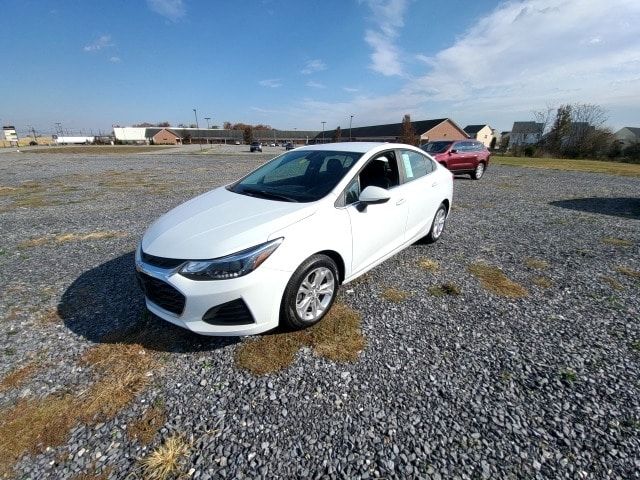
[{"x": 474, "y": 385}]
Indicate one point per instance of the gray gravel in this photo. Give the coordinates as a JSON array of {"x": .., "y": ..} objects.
[{"x": 468, "y": 386}]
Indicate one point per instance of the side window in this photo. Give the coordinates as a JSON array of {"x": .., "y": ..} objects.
[
  {"x": 352, "y": 192},
  {"x": 415, "y": 165},
  {"x": 382, "y": 171}
]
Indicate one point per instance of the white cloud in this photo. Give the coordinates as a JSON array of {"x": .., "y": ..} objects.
[
  {"x": 312, "y": 66},
  {"x": 314, "y": 84},
  {"x": 171, "y": 9},
  {"x": 115, "y": 59},
  {"x": 271, "y": 82},
  {"x": 526, "y": 54},
  {"x": 101, "y": 42},
  {"x": 518, "y": 58},
  {"x": 350, "y": 89},
  {"x": 388, "y": 17}
]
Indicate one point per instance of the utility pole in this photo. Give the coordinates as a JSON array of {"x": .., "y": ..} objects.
[
  {"x": 33, "y": 131},
  {"x": 350, "y": 120},
  {"x": 207, "y": 119},
  {"x": 197, "y": 126},
  {"x": 323, "y": 131}
]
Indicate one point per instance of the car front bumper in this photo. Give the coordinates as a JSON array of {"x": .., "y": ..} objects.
[{"x": 261, "y": 291}]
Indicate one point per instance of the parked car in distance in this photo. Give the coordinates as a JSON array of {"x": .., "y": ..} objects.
[
  {"x": 256, "y": 147},
  {"x": 237, "y": 142},
  {"x": 460, "y": 156},
  {"x": 273, "y": 247},
  {"x": 289, "y": 146},
  {"x": 272, "y": 144}
]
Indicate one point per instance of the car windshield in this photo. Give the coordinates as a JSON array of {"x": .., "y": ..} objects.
[
  {"x": 436, "y": 147},
  {"x": 297, "y": 176}
]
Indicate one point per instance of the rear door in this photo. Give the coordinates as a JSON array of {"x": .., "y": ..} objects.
[{"x": 422, "y": 190}]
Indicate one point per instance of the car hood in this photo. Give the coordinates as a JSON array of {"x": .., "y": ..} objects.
[{"x": 219, "y": 223}]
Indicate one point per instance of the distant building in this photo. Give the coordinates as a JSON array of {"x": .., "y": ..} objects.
[
  {"x": 78, "y": 140},
  {"x": 482, "y": 133},
  {"x": 628, "y": 136},
  {"x": 525, "y": 133},
  {"x": 185, "y": 135},
  {"x": 426, "y": 130},
  {"x": 166, "y": 137}
]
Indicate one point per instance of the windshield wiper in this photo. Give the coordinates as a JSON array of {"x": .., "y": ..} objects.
[{"x": 266, "y": 194}]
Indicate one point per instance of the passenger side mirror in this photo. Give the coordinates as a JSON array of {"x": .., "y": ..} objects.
[
  {"x": 372, "y": 195},
  {"x": 453, "y": 151}
]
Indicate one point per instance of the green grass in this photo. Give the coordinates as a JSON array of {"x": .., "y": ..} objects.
[{"x": 594, "y": 166}]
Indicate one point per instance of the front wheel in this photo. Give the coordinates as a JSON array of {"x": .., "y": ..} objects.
[
  {"x": 478, "y": 172},
  {"x": 310, "y": 292},
  {"x": 437, "y": 227}
]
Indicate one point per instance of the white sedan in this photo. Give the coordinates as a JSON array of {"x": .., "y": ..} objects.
[{"x": 274, "y": 246}]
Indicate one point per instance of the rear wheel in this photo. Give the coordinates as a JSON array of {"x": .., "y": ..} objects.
[
  {"x": 438, "y": 224},
  {"x": 478, "y": 172},
  {"x": 310, "y": 292}
]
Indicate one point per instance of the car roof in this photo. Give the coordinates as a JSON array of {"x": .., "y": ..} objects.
[{"x": 358, "y": 147}]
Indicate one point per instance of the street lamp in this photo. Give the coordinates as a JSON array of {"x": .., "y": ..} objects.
[
  {"x": 207, "y": 119},
  {"x": 197, "y": 126},
  {"x": 323, "y": 131},
  {"x": 350, "y": 120}
]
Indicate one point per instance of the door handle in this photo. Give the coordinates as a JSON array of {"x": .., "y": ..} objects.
[
  {"x": 435, "y": 184},
  {"x": 401, "y": 201}
]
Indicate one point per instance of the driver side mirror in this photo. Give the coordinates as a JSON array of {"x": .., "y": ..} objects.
[
  {"x": 372, "y": 195},
  {"x": 453, "y": 151}
]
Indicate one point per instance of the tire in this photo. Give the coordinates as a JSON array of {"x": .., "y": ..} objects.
[
  {"x": 316, "y": 275},
  {"x": 478, "y": 172},
  {"x": 438, "y": 224}
]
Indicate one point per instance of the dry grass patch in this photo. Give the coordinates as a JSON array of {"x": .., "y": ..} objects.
[
  {"x": 337, "y": 337},
  {"x": 34, "y": 424},
  {"x": 612, "y": 282},
  {"x": 49, "y": 317},
  {"x": 429, "y": 265},
  {"x": 618, "y": 242},
  {"x": 595, "y": 166},
  {"x": 168, "y": 460},
  {"x": 71, "y": 237},
  {"x": 628, "y": 272},
  {"x": 18, "y": 377},
  {"x": 394, "y": 295},
  {"x": 146, "y": 427},
  {"x": 446, "y": 288},
  {"x": 542, "y": 281},
  {"x": 536, "y": 263},
  {"x": 494, "y": 280}
]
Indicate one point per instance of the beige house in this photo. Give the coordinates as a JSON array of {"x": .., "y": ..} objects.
[{"x": 482, "y": 133}]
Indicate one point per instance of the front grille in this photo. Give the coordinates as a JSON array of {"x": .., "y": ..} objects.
[
  {"x": 235, "y": 312},
  {"x": 161, "y": 293},
  {"x": 160, "y": 262}
]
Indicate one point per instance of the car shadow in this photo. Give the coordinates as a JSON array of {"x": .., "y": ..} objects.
[
  {"x": 105, "y": 305},
  {"x": 625, "y": 207}
]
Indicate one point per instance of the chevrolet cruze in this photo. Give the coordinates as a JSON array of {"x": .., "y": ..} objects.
[{"x": 273, "y": 247}]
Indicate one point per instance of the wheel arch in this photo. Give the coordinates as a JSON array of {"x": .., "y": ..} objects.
[{"x": 336, "y": 257}]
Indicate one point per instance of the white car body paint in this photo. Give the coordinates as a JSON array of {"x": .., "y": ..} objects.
[{"x": 221, "y": 222}]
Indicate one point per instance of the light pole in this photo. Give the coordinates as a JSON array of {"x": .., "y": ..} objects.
[
  {"x": 323, "y": 131},
  {"x": 350, "y": 120},
  {"x": 208, "y": 127},
  {"x": 197, "y": 126}
]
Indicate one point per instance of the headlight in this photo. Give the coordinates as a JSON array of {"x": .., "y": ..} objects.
[{"x": 231, "y": 266}]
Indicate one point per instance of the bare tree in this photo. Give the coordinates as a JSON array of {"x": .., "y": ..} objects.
[
  {"x": 337, "y": 134},
  {"x": 247, "y": 134},
  {"x": 407, "y": 133}
]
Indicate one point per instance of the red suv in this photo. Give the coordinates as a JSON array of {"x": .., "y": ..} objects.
[{"x": 460, "y": 156}]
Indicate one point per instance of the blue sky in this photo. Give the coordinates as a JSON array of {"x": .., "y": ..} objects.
[{"x": 294, "y": 64}]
